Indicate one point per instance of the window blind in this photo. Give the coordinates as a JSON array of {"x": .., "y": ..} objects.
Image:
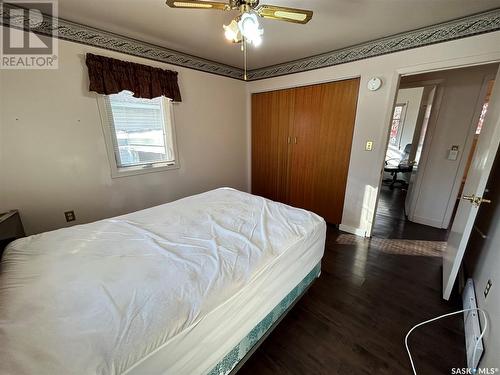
[{"x": 140, "y": 130}]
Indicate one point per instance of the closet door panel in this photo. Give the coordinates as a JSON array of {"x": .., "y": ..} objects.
[
  {"x": 332, "y": 164},
  {"x": 272, "y": 114},
  {"x": 305, "y": 140},
  {"x": 324, "y": 117}
]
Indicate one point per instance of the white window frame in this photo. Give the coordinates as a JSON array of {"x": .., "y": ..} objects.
[{"x": 110, "y": 140}]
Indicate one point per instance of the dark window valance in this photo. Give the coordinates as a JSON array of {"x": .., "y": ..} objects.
[{"x": 110, "y": 76}]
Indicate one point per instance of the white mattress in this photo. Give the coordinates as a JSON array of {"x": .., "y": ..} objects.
[{"x": 165, "y": 290}]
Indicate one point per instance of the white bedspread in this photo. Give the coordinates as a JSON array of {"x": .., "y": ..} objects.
[{"x": 99, "y": 297}]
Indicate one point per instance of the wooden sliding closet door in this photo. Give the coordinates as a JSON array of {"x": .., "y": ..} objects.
[
  {"x": 301, "y": 145},
  {"x": 272, "y": 116},
  {"x": 323, "y": 125},
  {"x": 305, "y": 129}
]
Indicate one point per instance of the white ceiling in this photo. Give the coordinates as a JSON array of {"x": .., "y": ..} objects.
[{"x": 335, "y": 24}]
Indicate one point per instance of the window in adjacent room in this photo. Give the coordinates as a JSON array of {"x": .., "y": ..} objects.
[
  {"x": 140, "y": 134},
  {"x": 397, "y": 124}
]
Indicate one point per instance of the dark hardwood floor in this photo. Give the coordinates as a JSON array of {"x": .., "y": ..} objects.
[
  {"x": 354, "y": 318},
  {"x": 391, "y": 222}
]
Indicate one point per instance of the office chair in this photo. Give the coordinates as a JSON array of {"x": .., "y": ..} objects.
[{"x": 403, "y": 166}]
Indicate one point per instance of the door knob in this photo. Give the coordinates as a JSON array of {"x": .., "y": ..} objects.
[{"x": 475, "y": 200}]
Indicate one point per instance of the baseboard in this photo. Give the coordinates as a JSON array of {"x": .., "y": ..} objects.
[
  {"x": 425, "y": 221},
  {"x": 352, "y": 230}
]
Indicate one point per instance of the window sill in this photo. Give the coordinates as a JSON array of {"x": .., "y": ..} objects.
[{"x": 136, "y": 170}]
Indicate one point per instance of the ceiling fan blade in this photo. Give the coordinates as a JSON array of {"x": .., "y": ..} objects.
[
  {"x": 285, "y": 14},
  {"x": 197, "y": 4}
]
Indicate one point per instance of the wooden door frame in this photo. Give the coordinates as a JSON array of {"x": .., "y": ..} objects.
[{"x": 396, "y": 85}]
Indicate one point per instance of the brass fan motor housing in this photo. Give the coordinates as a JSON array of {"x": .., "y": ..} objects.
[{"x": 236, "y": 4}]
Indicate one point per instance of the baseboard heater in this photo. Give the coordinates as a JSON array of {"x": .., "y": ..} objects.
[{"x": 472, "y": 325}]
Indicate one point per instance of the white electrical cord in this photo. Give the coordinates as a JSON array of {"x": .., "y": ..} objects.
[{"x": 444, "y": 316}]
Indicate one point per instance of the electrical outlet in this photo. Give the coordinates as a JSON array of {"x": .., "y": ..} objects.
[
  {"x": 369, "y": 146},
  {"x": 487, "y": 288},
  {"x": 70, "y": 216}
]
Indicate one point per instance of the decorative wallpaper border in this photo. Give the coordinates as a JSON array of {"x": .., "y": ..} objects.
[
  {"x": 82, "y": 34},
  {"x": 460, "y": 28}
]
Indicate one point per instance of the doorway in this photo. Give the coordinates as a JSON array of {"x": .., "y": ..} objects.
[
  {"x": 436, "y": 122},
  {"x": 415, "y": 102}
]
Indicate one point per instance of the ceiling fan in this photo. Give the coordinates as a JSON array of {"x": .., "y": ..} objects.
[{"x": 245, "y": 27}]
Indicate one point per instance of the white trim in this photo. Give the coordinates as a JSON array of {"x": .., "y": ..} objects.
[
  {"x": 117, "y": 172},
  {"x": 393, "y": 87},
  {"x": 352, "y": 230},
  {"x": 426, "y": 221},
  {"x": 248, "y": 124},
  {"x": 293, "y": 85}
]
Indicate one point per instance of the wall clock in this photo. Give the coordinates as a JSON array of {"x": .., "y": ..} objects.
[{"x": 374, "y": 84}]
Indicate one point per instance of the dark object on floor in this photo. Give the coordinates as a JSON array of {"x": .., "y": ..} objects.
[
  {"x": 403, "y": 166},
  {"x": 400, "y": 168}
]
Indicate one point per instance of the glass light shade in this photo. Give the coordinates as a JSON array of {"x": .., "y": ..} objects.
[
  {"x": 232, "y": 32},
  {"x": 250, "y": 28}
]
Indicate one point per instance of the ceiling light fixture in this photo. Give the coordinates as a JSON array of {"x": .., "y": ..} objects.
[
  {"x": 232, "y": 32},
  {"x": 250, "y": 28},
  {"x": 245, "y": 28}
]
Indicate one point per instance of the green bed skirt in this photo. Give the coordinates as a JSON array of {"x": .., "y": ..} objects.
[{"x": 231, "y": 360}]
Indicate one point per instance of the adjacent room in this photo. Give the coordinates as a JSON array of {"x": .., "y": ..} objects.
[
  {"x": 435, "y": 113},
  {"x": 242, "y": 187}
]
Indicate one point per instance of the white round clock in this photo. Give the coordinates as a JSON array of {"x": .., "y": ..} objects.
[{"x": 374, "y": 84}]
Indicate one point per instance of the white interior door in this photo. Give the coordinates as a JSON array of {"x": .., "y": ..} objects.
[
  {"x": 420, "y": 136},
  {"x": 475, "y": 184}
]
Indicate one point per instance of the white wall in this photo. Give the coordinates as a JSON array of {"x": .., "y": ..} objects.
[
  {"x": 53, "y": 156},
  {"x": 375, "y": 109},
  {"x": 487, "y": 267}
]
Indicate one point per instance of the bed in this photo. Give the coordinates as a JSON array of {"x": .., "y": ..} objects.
[{"x": 188, "y": 287}]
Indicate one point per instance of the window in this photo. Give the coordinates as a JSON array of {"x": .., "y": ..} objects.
[
  {"x": 397, "y": 124},
  {"x": 139, "y": 133},
  {"x": 484, "y": 110}
]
